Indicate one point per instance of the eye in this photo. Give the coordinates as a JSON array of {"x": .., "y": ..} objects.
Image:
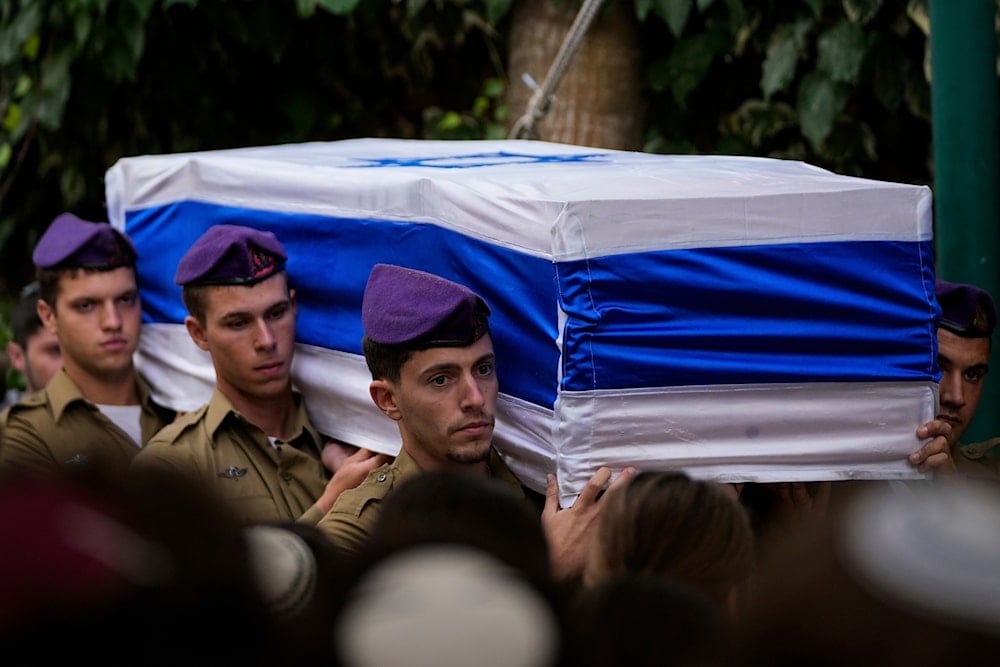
[
  {"x": 129, "y": 299},
  {"x": 439, "y": 380},
  {"x": 975, "y": 375},
  {"x": 278, "y": 312},
  {"x": 83, "y": 306},
  {"x": 485, "y": 370},
  {"x": 236, "y": 324}
]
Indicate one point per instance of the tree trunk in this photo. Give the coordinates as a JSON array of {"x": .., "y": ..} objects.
[{"x": 598, "y": 101}]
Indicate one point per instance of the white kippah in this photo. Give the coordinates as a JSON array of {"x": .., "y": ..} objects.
[
  {"x": 284, "y": 565},
  {"x": 443, "y": 605},
  {"x": 930, "y": 548}
]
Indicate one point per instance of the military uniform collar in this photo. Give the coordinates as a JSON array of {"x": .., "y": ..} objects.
[
  {"x": 62, "y": 392},
  {"x": 405, "y": 464},
  {"x": 220, "y": 408}
]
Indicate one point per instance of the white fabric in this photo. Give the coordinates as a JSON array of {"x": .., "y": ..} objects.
[{"x": 125, "y": 417}]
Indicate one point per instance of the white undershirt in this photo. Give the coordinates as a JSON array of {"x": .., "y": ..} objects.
[{"x": 126, "y": 417}]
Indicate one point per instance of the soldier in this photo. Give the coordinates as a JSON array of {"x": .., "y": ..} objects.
[
  {"x": 253, "y": 441},
  {"x": 32, "y": 349},
  {"x": 96, "y": 410},
  {"x": 968, "y": 317},
  {"x": 428, "y": 346}
]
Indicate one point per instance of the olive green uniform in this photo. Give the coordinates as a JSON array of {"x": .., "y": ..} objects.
[
  {"x": 262, "y": 482},
  {"x": 353, "y": 515},
  {"x": 56, "y": 427},
  {"x": 974, "y": 460}
]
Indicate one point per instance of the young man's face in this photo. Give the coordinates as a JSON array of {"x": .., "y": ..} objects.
[
  {"x": 39, "y": 360},
  {"x": 97, "y": 320},
  {"x": 964, "y": 363},
  {"x": 250, "y": 333},
  {"x": 445, "y": 403}
]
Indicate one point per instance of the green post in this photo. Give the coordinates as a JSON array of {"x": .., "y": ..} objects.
[{"x": 966, "y": 148}]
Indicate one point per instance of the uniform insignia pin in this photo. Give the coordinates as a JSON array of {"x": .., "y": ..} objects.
[{"x": 232, "y": 472}]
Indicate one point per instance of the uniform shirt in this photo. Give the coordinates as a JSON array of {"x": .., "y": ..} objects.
[
  {"x": 974, "y": 460},
  {"x": 57, "y": 427},
  {"x": 354, "y": 513},
  {"x": 216, "y": 445}
]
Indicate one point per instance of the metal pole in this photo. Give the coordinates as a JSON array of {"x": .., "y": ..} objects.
[{"x": 964, "y": 123}]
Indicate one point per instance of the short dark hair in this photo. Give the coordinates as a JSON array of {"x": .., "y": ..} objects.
[
  {"x": 24, "y": 321},
  {"x": 194, "y": 300},
  {"x": 385, "y": 361}
]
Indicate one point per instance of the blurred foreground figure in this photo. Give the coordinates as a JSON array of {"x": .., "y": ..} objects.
[
  {"x": 446, "y": 605},
  {"x": 902, "y": 574},
  {"x": 645, "y": 620},
  {"x": 136, "y": 571},
  {"x": 667, "y": 525}
]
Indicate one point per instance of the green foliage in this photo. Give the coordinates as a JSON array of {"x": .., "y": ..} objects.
[
  {"x": 837, "y": 83},
  {"x": 86, "y": 82},
  {"x": 486, "y": 120}
]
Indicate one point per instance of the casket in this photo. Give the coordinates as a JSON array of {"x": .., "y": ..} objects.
[{"x": 740, "y": 318}]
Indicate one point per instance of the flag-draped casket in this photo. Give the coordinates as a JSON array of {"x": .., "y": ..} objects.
[{"x": 744, "y": 319}]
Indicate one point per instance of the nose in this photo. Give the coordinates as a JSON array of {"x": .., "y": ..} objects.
[
  {"x": 264, "y": 338},
  {"x": 473, "y": 396},
  {"x": 111, "y": 319},
  {"x": 950, "y": 389}
]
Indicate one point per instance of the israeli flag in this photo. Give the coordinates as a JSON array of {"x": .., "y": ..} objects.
[{"x": 742, "y": 319}]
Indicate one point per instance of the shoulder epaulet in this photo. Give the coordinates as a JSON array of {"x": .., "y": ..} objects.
[
  {"x": 375, "y": 487},
  {"x": 30, "y": 401},
  {"x": 183, "y": 423},
  {"x": 978, "y": 450}
]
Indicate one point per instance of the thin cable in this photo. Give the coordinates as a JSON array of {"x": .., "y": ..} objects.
[{"x": 541, "y": 100}]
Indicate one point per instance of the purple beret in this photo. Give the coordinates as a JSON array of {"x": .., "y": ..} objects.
[
  {"x": 966, "y": 310},
  {"x": 408, "y": 307},
  {"x": 231, "y": 255},
  {"x": 70, "y": 242}
]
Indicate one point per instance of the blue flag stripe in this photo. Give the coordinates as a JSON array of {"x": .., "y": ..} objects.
[
  {"x": 828, "y": 312},
  {"x": 329, "y": 262},
  {"x": 800, "y": 312}
]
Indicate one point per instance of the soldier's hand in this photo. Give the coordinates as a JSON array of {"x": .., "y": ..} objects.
[
  {"x": 568, "y": 531},
  {"x": 935, "y": 455},
  {"x": 351, "y": 471}
]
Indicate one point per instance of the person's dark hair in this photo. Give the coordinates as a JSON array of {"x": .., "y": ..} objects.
[
  {"x": 24, "y": 322},
  {"x": 641, "y": 619},
  {"x": 449, "y": 507},
  {"x": 666, "y": 523},
  {"x": 194, "y": 300},
  {"x": 385, "y": 361}
]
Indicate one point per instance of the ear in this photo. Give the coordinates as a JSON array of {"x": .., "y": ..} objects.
[
  {"x": 196, "y": 331},
  {"x": 16, "y": 356},
  {"x": 47, "y": 315},
  {"x": 383, "y": 395}
]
